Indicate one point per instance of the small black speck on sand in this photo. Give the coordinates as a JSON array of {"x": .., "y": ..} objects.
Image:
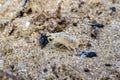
[
  {"x": 88, "y": 54},
  {"x": 61, "y": 22},
  {"x": 86, "y": 70},
  {"x": 113, "y": 9},
  {"x": 12, "y": 67},
  {"x": 108, "y": 65},
  {"x": 97, "y": 25},
  {"x": 74, "y": 24},
  {"x": 43, "y": 40},
  {"x": 45, "y": 70}
]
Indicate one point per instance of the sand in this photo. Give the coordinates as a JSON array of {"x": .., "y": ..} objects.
[{"x": 21, "y": 55}]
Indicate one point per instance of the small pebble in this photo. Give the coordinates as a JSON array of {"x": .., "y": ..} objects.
[
  {"x": 97, "y": 25},
  {"x": 43, "y": 40},
  {"x": 88, "y": 54},
  {"x": 27, "y": 24}
]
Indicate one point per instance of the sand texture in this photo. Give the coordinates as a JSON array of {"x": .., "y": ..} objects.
[{"x": 21, "y": 25}]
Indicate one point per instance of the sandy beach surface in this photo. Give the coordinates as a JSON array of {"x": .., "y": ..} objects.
[{"x": 23, "y": 21}]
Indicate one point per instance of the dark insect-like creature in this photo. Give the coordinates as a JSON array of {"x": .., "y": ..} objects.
[{"x": 43, "y": 40}]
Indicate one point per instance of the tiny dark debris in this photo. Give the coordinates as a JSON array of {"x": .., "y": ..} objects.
[
  {"x": 29, "y": 11},
  {"x": 45, "y": 70},
  {"x": 43, "y": 40},
  {"x": 61, "y": 22},
  {"x": 113, "y": 9},
  {"x": 20, "y": 14},
  {"x": 74, "y": 10},
  {"x": 47, "y": 19},
  {"x": 56, "y": 74},
  {"x": 74, "y": 24},
  {"x": 91, "y": 54},
  {"x": 88, "y": 54},
  {"x": 97, "y": 25},
  {"x": 94, "y": 33},
  {"x": 80, "y": 4},
  {"x": 48, "y": 62},
  {"x": 86, "y": 70},
  {"x": 108, "y": 65},
  {"x": 65, "y": 79},
  {"x": 11, "y": 31},
  {"x": 3, "y": 24},
  {"x": 99, "y": 12},
  {"x": 12, "y": 67},
  {"x": 88, "y": 44},
  {"x": 53, "y": 67}
]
